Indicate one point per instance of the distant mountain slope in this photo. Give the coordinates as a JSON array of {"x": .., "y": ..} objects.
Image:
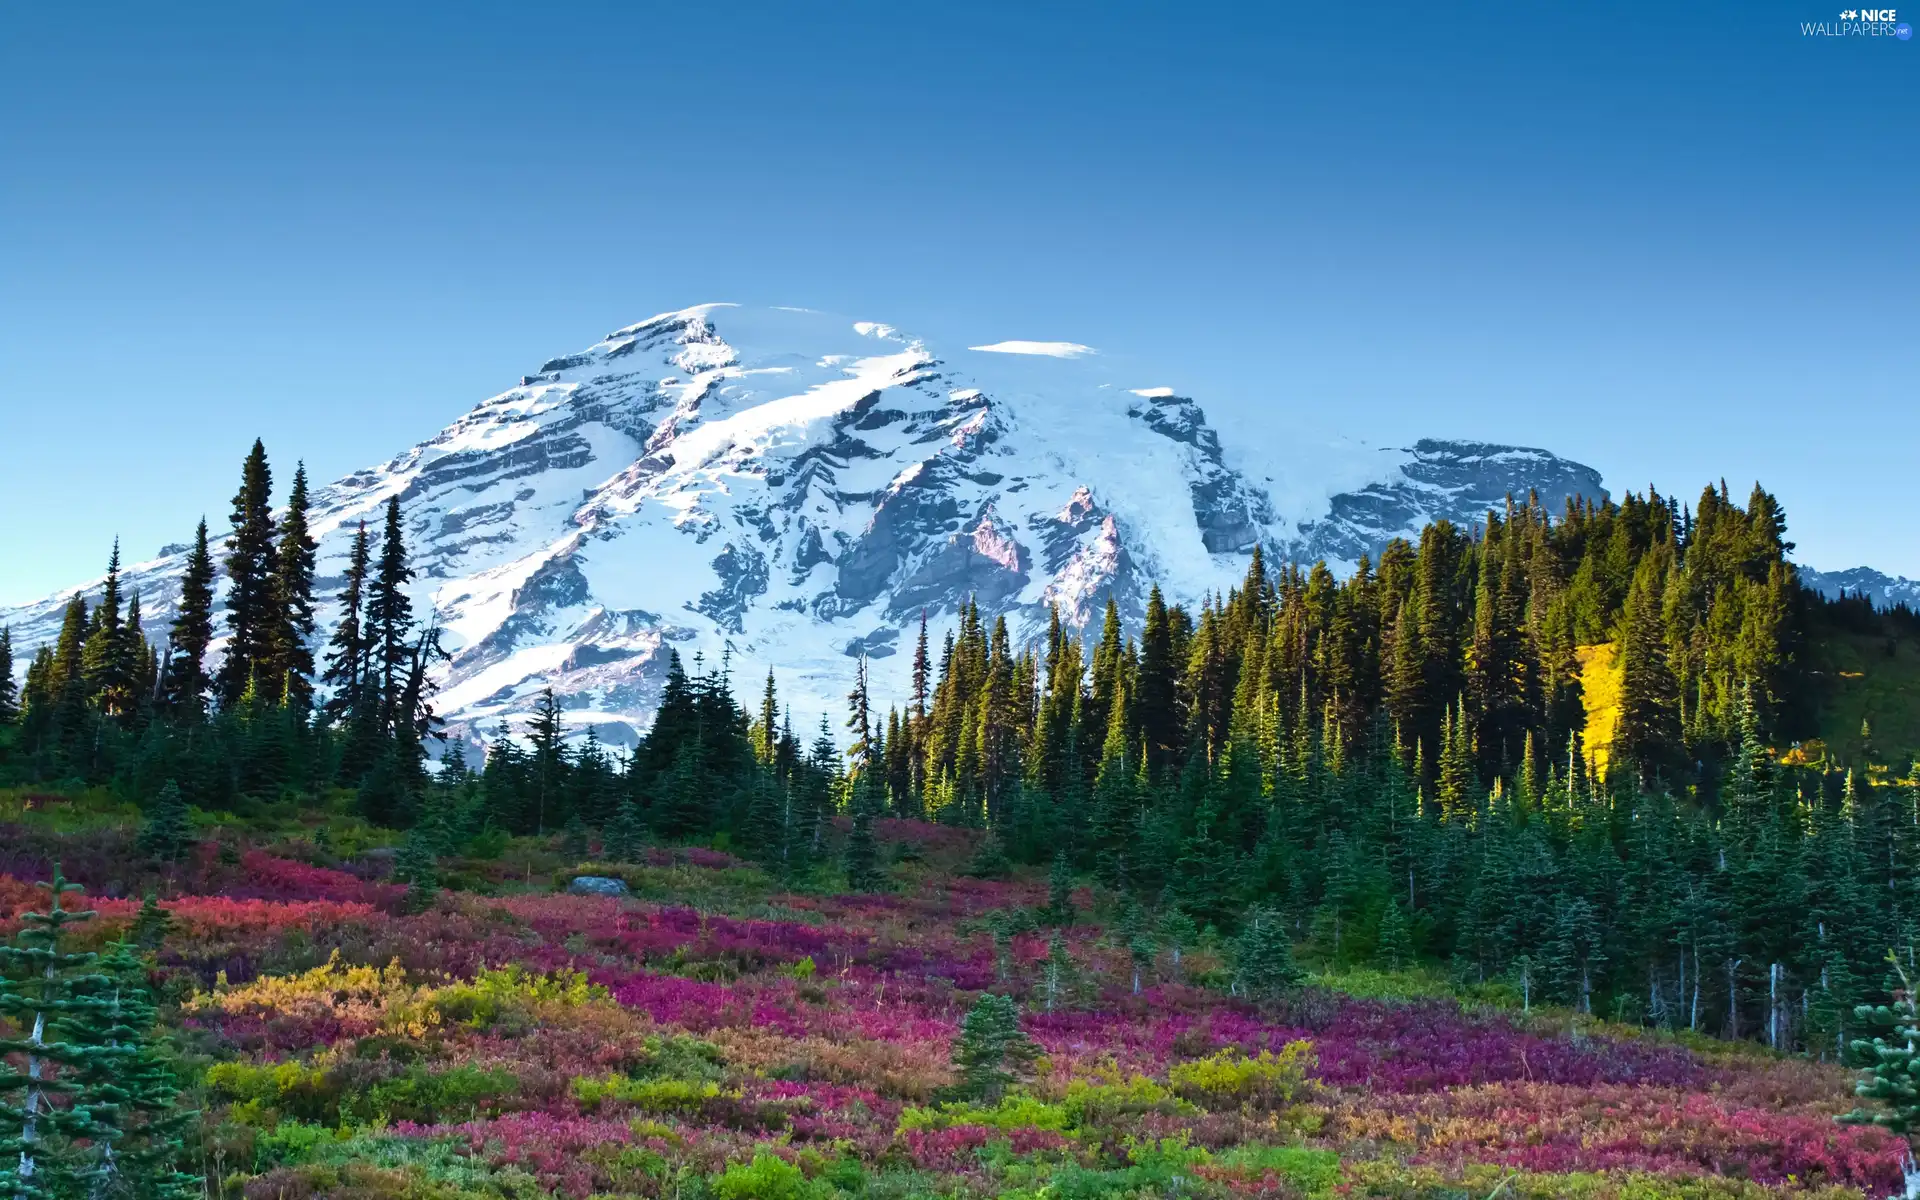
[
  {"x": 795, "y": 489},
  {"x": 1884, "y": 590}
]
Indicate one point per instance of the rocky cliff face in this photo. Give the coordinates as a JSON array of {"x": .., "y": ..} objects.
[{"x": 782, "y": 488}]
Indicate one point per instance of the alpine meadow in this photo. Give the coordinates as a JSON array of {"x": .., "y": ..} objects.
[
  {"x": 959, "y": 601},
  {"x": 1548, "y": 854}
]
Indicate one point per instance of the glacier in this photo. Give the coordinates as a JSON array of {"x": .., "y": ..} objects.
[{"x": 782, "y": 488}]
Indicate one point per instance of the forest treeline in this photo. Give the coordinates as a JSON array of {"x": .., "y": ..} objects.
[{"x": 1393, "y": 764}]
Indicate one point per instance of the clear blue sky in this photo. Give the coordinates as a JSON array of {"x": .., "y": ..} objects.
[{"x": 1675, "y": 241}]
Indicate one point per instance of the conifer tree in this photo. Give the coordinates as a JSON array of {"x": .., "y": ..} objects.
[
  {"x": 991, "y": 1049},
  {"x": 137, "y": 1155},
  {"x": 625, "y": 835},
  {"x": 1647, "y": 738},
  {"x": 1159, "y": 715},
  {"x": 1394, "y": 948},
  {"x": 251, "y": 592},
  {"x": 1886, "y": 1062},
  {"x": 863, "y": 854},
  {"x": 108, "y": 657},
  {"x": 1263, "y": 957},
  {"x": 990, "y": 860},
  {"x": 1059, "y": 978},
  {"x": 168, "y": 832},
  {"x": 390, "y": 623},
  {"x": 151, "y": 925},
  {"x": 48, "y": 993},
  {"x": 860, "y": 721},
  {"x": 417, "y": 865},
  {"x": 573, "y": 838},
  {"x": 192, "y": 631},
  {"x": 1060, "y": 890},
  {"x": 346, "y": 660},
  {"x": 1177, "y": 930},
  {"x": 291, "y": 670},
  {"x": 9, "y": 692},
  {"x": 1142, "y": 949}
]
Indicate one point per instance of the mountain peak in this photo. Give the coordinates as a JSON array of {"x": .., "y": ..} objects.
[{"x": 791, "y": 489}]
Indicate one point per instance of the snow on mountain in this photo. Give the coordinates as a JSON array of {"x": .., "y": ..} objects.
[
  {"x": 1886, "y": 591},
  {"x": 794, "y": 489}
]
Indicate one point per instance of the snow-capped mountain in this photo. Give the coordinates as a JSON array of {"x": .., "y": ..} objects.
[
  {"x": 1886, "y": 591},
  {"x": 796, "y": 489}
]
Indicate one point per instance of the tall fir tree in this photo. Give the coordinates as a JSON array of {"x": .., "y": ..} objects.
[
  {"x": 192, "y": 631},
  {"x": 252, "y": 599},
  {"x": 49, "y": 994},
  {"x": 290, "y": 675},
  {"x": 390, "y": 621}
]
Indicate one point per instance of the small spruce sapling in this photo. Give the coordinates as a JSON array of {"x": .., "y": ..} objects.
[
  {"x": 863, "y": 855},
  {"x": 990, "y": 859},
  {"x": 152, "y": 925},
  {"x": 50, "y": 997},
  {"x": 1060, "y": 978},
  {"x": 625, "y": 835},
  {"x": 1395, "y": 947},
  {"x": 573, "y": 839},
  {"x": 1060, "y": 890},
  {"x": 1263, "y": 957},
  {"x": 1178, "y": 932},
  {"x": 1143, "y": 949},
  {"x": 1888, "y": 1065},
  {"x": 168, "y": 832},
  {"x": 418, "y": 867},
  {"x": 991, "y": 1050},
  {"x": 139, "y": 1155}
]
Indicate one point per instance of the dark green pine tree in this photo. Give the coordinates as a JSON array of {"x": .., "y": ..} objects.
[
  {"x": 864, "y": 873},
  {"x": 152, "y": 924},
  {"x": 107, "y": 658},
  {"x": 49, "y": 995},
  {"x": 1157, "y": 697},
  {"x": 625, "y": 836},
  {"x": 685, "y": 807},
  {"x": 185, "y": 688},
  {"x": 1647, "y": 739},
  {"x": 547, "y": 764},
  {"x": 1393, "y": 948},
  {"x": 389, "y": 628},
  {"x": 291, "y": 671},
  {"x": 418, "y": 866},
  {"x": 352, "y": 684},
  {"x": 991, "y": 1049},
  {"x": 343, "y": 672},
  {"x": 1060, "y": 890},
  {"x": 168, "y": 831},
  {"x": 138, "y": 1156},
  {"x": 9, "y": 694},
  {"x": 251, "y": 598},
  {"x": 574, "y": 838},
  {"x": 860, "y": 722},
  {"x": 1889, "y": 1062},
  {"x": 1263, "y": 957},
  {"x": 990, "y": 860}
]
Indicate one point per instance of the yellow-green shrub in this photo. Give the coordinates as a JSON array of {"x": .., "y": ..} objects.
[
  {"x": 1231, "y": 1079},
  {"x": 264, "y": 1093},
  {"x": 494, "y": 994},
  {"x": 767, "y": 1177},
  {"x": 1097, "y": 1100},
  {"x": 649, "y": 1095},
  {"x": 1016, "y": 1111}
]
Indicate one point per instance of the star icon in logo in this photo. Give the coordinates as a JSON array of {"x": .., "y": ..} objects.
[{"x": 1849, "y": 15}]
